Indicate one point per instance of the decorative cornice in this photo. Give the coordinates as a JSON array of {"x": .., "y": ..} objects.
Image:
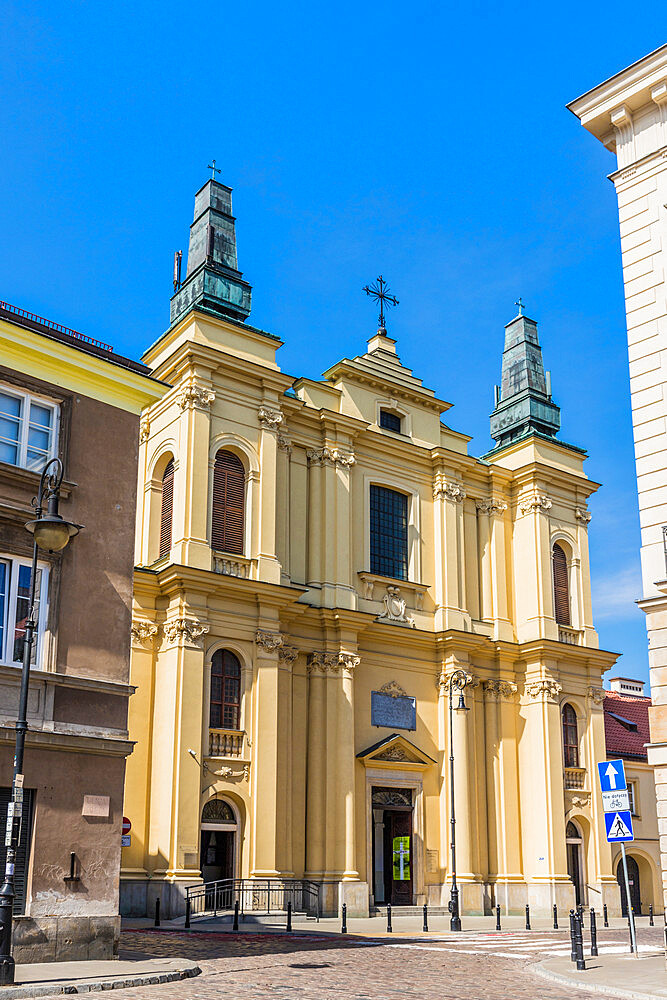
[
  {"x": 186, "y": 629},
  {"x": 270, "y": 417},
  {"x": 596, "y": 695},
  {"x": 582, "y": 514},
  {"x": 449, "y": 491},
  {"x": 333, "y": 662},
  {"x": 393, "y": 689},
  {"x": 395, "y": 608},
  {"x": 535, "y": 503},
  {"x": 196, "y": 395},
  {"x": 494, "y": 505},
  {"x": 144, "y": 430},
  {"x": 545, "y": 688},
  {"x": 330, "y": 456},
  {"x": 288, "y": 653},
  {"x": 269, "y": 640},
  {"x": 142, "y": 631},
  {"x": 495, "y": 690}
]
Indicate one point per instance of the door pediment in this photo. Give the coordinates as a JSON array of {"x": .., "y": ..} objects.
[{"x": 395, "y": 752}]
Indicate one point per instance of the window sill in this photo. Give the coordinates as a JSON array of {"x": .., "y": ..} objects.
[
  {"x": 375, "y": 587},
  {"x": 11, "y": 474}
]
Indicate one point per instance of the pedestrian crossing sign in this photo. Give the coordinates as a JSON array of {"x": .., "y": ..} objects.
[{"x": 619, "y": 826}]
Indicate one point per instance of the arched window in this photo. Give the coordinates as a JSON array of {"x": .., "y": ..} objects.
[
  {"x": 228, "y": 502},
  {"x": 166, "y": 515},
  {"x": 561, "y": 586},
  {"x": 218, "y": 811},
  {"x": 570, "y": 737},
  {"x": 225, "y": 690}
]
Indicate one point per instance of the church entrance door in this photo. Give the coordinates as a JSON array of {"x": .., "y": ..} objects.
[
  {"x": 635, "y": 887},
  {"x": 398, "y": 860}
]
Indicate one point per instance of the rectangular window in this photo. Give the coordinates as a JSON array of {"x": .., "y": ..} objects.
[
  {"x": 390, "y": 421},
  {"x": 632, "y": 795},
  {"x": 28, "y": 427},
  {"x": 15, "y": 577},
  {"x": 389, "y": 532}
]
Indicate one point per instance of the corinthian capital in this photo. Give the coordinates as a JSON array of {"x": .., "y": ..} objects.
[
  {"x": 495, "y": 690},
  {"x": 583, "y": 515},
  {"x": 449, "y": 490},
  {"x": 545, "y": 688},
  {"x": 330, "y": 456},
  {"x": 269, "y": 640},
  {"x": 494, "y": 505},
  {"x": 535, "y": 503},
  {"x": 142, "y": 631},
  {"x": 185, "y": 629},
  {"x": 196, "y": 395},
  {"x": 270, "y": 417},
  {"x": 288, "y": 654}
]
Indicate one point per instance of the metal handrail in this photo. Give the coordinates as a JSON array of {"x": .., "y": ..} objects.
[
  {"x": 254, "y": 895},
  {"x": 58, "y": 327}
]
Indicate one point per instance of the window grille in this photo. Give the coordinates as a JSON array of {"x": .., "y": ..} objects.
[
  {"x": 225, "y": 690},
  {"x": 228, "y": 503},
  {"x": 389, "y": 532},
  {"x": 570, "y": 737},
  {"x": 390, "y": 421}
]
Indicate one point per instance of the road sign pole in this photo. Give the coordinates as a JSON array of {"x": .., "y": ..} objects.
[{"x": 631, "y": 912}]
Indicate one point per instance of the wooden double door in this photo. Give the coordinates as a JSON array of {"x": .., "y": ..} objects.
[{"x": 398, "y": 857}]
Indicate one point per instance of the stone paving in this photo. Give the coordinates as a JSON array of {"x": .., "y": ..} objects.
[{"x": 291, "y": 967}]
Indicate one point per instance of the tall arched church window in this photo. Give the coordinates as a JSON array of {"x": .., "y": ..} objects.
[
  {"x": 166, "y": 515},
  {"x": 561, "y": 586},
  {"x": 225, "y": 690},
  {"x": 228, "y": 503},
  {"x": 570, "y": 737}
]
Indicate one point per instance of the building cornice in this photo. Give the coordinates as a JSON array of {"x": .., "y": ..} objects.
[{"x": 95, "y": 746}]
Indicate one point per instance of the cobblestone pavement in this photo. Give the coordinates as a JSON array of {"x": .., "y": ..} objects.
[{"x": 475, "y": 966}]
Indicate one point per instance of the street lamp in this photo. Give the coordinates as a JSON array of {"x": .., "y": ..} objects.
[
  {"x": 458, "y": 679},
  {"x": 50, "y": 531}
]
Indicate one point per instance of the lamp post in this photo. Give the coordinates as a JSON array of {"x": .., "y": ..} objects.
[
  {"x": 50, "y": 531},
  {"x": 458, "y": 679}
]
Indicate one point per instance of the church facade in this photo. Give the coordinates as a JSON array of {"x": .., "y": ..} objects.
[{"x": 315, "y": 560}]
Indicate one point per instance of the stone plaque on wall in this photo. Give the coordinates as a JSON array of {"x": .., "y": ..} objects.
[{"x": 393, "y": 712}]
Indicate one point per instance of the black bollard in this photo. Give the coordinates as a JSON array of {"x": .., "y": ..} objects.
[
  {"x": 343, "y": 928},
  {"x": 580, "y": 914},
  {"x": 527, "y": 917},
  {"x": 188, "y": 905},
  {"x": 425, "y": 924},
  {"x": 555, "y": 917},
  {"x": 289, "y": 916},
  {"x": 579, "y": 940},
  {"x": 157, "y": 912},
  {"x": 388, "y": 918},
  {"x": 650, "y": 915},
  {"x": 498, "y": 927},
  {"x": 573, "y": 943},
  {"x": 594, "y": 934},
  {"x": 605, "y": 916},
  {"x": 235, "y": 925}
]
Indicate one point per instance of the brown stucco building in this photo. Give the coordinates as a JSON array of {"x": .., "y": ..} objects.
[{"x": 64, "y": 395}]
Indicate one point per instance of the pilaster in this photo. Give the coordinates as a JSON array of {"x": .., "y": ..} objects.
[
  {"x": 190, "y": 544},
  {"x": 270, "y": 420},
  {"x": 450, "y": 590}
]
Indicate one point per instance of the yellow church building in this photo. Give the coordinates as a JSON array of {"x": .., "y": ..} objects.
[{"x": 315, "y": 559}]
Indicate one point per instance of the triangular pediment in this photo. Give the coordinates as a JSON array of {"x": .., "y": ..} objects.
[{"x": 395, "y": 751}]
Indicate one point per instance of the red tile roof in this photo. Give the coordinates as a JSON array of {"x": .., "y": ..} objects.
[{"x": 621, "y": 740}]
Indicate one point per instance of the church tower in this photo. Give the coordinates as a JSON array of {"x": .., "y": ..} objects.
[{"x": 523, "y": 400}]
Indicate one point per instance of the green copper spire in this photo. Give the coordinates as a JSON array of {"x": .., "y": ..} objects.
[
  {"x": 213, "y": 281},
  {"x": 523, "y": 400}
]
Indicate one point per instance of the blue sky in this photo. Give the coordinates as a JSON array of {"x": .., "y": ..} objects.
[{"x": 429, "y": 142}]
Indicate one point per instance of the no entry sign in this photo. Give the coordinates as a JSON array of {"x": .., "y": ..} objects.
[{"x": 127, "y": 826}]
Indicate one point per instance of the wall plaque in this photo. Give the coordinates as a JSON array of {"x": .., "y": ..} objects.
[{"x": 393, "y": 712}]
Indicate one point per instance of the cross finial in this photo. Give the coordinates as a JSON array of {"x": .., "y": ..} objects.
[
  {"x": 214, "y": 170},
  {"x": 518, "y": 303},
  {"x": 379, "y": 291}
]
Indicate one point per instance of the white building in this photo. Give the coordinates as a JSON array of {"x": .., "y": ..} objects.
[{"x": 628, "y": 114}]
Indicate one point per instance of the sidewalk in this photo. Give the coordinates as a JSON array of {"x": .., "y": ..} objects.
[
  {"x": 52, "y": 978},
  {"x": 612, "y": 975}
]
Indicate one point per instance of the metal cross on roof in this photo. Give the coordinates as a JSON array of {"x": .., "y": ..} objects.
[
  {"x": 214, "y": 170},
  {"x": 518, "y": 303},
  {"x": 379, "y": 291}
]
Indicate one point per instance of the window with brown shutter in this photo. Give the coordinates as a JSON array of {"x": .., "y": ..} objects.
[
  {"x": 570, "y": 737},
  {"x": 225, "y": 690},
  {"x": 561, "y": 586},
  {"x": 167, "y": 508},
  {"x": 228, "y": 503}
]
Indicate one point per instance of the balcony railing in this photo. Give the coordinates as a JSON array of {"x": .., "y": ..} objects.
[
  {"x": 570, "y": 635},
  {"x": 575, "y": 777},
  {"x": 225, "y": 742}
]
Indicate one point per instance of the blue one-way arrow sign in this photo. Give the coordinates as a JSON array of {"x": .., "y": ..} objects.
[{"x": 612, "y": 775}]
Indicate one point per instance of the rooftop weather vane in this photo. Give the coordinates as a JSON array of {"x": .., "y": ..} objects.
[
  {"x": 519, "y": 303},
  {"x": 214, "y": 170},
  {"x": 379, "y": 291}
]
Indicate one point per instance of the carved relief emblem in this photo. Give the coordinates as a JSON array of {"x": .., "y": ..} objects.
[
  {"x": 393, "y": 689},
  {"x": 392, "y": 754},
  {"x": 144, "y": 429},
  {"x": 596, "y": 694},
  {"x": 545, "y": 688},
  {"x": 395, "y": 608}
]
